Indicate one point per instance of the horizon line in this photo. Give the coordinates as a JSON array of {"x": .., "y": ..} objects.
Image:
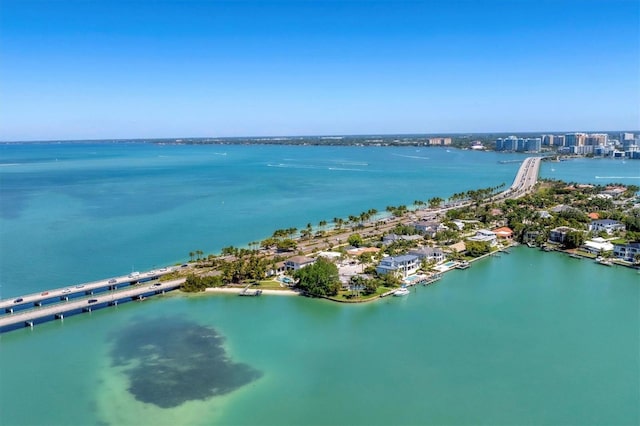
[{"x": 336, "y": 135}]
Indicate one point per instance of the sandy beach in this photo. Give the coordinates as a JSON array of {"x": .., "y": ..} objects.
[{"x": 237, "y": 290}]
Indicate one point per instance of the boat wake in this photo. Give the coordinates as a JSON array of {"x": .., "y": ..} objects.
[{"x": 412, "y": 156}]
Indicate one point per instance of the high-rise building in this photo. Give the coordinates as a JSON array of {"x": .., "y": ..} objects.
[
  {"x": 533, "y": 144},
  {"x": 575, "y": 139},
  {"x": 597, "y": 139},
  {"x": 507, "y": 144},
  {"x": 626, "y": 137},
  {"x": 548, "y": 140},
  {"x": 514, "y": 143},
  {"x": 439, "y": 141}
]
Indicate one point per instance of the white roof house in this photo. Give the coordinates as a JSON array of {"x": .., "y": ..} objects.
[
  {"x": 485, "y": 235},
  {"x": 597, "y": 245}
]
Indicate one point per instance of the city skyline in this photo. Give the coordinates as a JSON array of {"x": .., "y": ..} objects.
[{"x": 139, "y": 69}]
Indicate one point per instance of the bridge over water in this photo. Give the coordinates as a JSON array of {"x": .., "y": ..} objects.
[{"x": 38, "y": 314}]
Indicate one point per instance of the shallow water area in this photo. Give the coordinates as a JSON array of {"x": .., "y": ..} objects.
[{"x": 169, "y": 361}]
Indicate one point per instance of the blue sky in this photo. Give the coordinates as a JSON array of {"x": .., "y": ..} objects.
[{"x": 95, "y": 69}]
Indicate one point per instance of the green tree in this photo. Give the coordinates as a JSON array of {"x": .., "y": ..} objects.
[
  {"x": 574, "y": 239},
  {"x": 319, "y": 279},
  {"x": 286, "y": 245},
  {"x": 355, "y": 240},
  {"x": 435, "y": 202},
  {"x": 477, "y": 248}
]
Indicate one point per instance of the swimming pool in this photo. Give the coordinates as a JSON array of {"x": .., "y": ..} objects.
[
  {"x": 285, "y": 280},
  {"x": 413, "y": 278}
]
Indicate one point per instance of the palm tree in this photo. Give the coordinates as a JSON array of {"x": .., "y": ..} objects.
[{"x": 191, "y": 254}]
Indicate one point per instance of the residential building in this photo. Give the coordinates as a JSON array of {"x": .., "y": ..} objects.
[
  {"x": 403, "y": 266},
  {"x": 513, "y": 143},
  {"x": 277, "y": 269},
  {"x": 614, "y": 192},
  {"x": 559, "y": 234},
  {"x": 428, "y": 227},
  {"x": 431, "y": 254},
  {"x": 597, "y": 245},
  {"x": 575, "y": 139},
  {"x": 607, "y": 225},
  {"x": 392, "y": 238},
  {"x": 627, "y": 251},
  {"x": 439, "y": 141},
  {"x": 504, "y": 233},
  {"x": 533, "y": 145},
  {"x": 599, "y": 139},
  {"x": 298, "y": 262},
  {"x": 485, "y": 235}
]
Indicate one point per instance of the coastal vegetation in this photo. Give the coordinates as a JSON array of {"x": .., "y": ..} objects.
[
  {"x": 319, "y": 279},
  {"x": 529, "y": 219}
]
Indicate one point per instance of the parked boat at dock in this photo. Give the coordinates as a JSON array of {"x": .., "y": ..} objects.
[{"x": 401, "y": 292}]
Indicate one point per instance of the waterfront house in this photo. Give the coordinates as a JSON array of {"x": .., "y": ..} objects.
[
  {"x": 277, "y": 269},
  {"x": 484, "y": 235},
  {"x": 504, "y": 233},
  {"x": 530, "y": 236},
  {"x": 559, "y": 234},
  {"x": 597, "y": 245},
  {"x": 298, "y": 262},
  {"x": 403, "y": 266},
  {"x": 627, "y": 251},
  {"x": 607, "y": 225},
  {"x": 431, "y": 254},
  {"x": 459, "y": 247}
]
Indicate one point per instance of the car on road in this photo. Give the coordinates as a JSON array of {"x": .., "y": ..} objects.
[
  {"x": 92, "y": 301},
  {"x": 80, "y": 286},
  {"x": 66, "y": 291},
  {"x": 18, "y": 300},
  {"x": 44, "y": 293},
  {"x": 112, "y": 281},
  {"x": 134, "y": 275}
]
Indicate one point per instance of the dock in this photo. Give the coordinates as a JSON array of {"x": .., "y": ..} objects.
[{"x": 249, "y": 292}]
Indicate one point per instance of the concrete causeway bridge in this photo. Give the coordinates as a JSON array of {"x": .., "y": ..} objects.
[{"x": 55, "y": 304}]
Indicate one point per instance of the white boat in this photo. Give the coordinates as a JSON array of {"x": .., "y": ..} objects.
[
  {"x": 604, "y": 261},
  {"x": 401, "y": 292}
]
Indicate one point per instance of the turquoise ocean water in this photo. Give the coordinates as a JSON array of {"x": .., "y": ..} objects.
[{"x": 529, "y": 338}]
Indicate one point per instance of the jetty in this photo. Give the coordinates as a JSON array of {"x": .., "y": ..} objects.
[
  {"x": 248, "y": 292},
  {"x": 463, "y": 265}
]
